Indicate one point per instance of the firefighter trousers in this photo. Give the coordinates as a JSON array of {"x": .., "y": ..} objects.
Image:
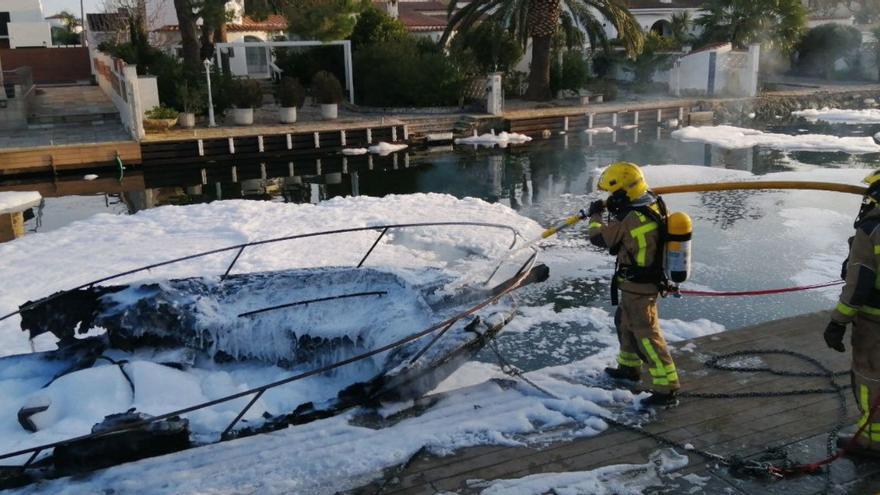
[
  {"x": 642, "y": 341},
  {"x": 866, "y": 376}
]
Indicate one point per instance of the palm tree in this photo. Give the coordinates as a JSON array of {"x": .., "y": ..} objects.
[
  {"x": 773, "y": 23},
  {"x": 540, "y": 20},
  {"x": 681, "y": 27}
]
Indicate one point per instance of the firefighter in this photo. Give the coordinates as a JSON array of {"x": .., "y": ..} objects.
[
  {"x": 860, "y": 305},
  {"x": 634, "y": 235}
]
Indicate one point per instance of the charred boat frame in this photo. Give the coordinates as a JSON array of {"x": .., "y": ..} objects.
[{"x": 516, "y": 281}]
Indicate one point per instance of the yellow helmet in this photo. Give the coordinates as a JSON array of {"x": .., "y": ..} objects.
[
  {"x": 624, "y": 176},
  {"x": 873, "y": 182}
]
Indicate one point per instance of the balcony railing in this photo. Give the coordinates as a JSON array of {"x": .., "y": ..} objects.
[{"x": 22, "y": 78}]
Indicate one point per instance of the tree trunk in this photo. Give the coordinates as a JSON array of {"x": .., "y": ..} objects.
[
  {"x": 189, "y": 37},
  {"x": 539, "y": 73},
  {"x": 207, "y": 42},
  {"x": 220, "y": 34}
]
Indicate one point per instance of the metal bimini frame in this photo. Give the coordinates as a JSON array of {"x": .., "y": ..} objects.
[{"x": 517, "y": 279}]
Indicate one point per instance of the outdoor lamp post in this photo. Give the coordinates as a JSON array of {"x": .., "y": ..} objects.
[{"x": 211, "y": 122}]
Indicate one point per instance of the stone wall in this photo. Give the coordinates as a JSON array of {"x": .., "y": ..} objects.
[{"x": 769, "y": 108}]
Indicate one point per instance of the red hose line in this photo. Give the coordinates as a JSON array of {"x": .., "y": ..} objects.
[
  {"x": 765, "y": 292},
  {"x": 815, "y": 466}
]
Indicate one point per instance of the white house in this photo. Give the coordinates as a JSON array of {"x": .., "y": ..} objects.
[
  {"x": 22, "y": 24},
  {"x": 423, "y": 18},
  {"x": 252, "y": 61},
  {"x": 656, "y": 15},
  {"x": 59, "y": 21}
]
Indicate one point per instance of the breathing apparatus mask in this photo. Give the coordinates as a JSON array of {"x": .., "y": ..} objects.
[{"x": 617, "y": 204}]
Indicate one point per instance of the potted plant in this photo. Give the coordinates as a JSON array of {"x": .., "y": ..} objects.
[
  {"x": 327, "y": 92},
  {"x": 160, "y": 118},
  {"x": 192, "y": 100},
  {"x": 290, "y": 96},
  {"x": 246, "y": 95}
]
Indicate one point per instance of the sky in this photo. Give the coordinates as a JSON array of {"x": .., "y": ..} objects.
[{"x": 52, "y": 7}]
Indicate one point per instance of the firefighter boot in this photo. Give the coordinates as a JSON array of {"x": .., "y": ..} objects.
[
  {"x": 659, "y": 399},
  {"x": 628, "y": 373}
]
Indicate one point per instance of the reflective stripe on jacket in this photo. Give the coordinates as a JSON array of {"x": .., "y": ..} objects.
[
  {"x": 634, "y": 240},
  {"x": 861, "y": 293}
]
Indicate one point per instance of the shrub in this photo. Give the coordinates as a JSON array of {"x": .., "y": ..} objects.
[
  {"x": 326, "y": 88},
  {"x": 407, "y": 73},
  {"x": 246, "y": 93},
  {"x": 575, "y": 70},
  {"x": 603, "y": 87},
  {"x": 290, "y": 93},
  {"x": 515, "y": 83},
  {"x": 221, "y": 90},
  {"x": 303, "y": 63},
  {"x": 191, "y": 98},
  {"x": 375, "y": 26},
  {"x": 824, "y": 45},
  {"x": 486, "y": 48},
  {"x": 161, "y": 112}
]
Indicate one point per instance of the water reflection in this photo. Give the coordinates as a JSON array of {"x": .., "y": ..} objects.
[
  {"x": 740, "y": 234},
  {"x": 519, "y": 176}
]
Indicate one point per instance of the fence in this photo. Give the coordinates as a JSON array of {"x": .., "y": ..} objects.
[
  {"x": 16, "y": 97},
  {"x": 132, "y": 95},
  {"x": 716, "y": 70},
  {"x": 50, "y": 65}
]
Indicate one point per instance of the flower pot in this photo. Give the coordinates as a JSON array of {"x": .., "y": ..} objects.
[
  {"x": 243, "y": 116},
  {"x": 159, "y": 124},
  {"x": 186, "y": 120},
  {"x": 329, "y": 111},
  {"x": 287, "y": 115}
]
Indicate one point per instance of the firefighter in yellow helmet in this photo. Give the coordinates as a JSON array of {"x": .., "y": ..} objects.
[
  {"x": 634, "y": 235},
  {"x": 860, "y": 305}
]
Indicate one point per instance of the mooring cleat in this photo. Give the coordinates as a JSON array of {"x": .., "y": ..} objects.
[
  {"x": 659, "y": 399},
  {"x": 624, "y": 373}
]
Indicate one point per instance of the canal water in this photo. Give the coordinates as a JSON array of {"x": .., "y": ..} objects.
[{"x": 743, "y": 240}]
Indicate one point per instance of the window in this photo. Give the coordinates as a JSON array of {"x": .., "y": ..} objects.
[{"x": 4, "y": 20}]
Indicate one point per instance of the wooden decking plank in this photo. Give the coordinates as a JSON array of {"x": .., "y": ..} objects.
[{"x": 725, "y": 426}]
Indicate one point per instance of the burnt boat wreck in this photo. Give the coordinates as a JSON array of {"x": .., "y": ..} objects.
[{"x": 276, "y": 348}]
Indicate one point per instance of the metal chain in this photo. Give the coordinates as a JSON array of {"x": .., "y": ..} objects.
[{"x": 762, "y": 464}]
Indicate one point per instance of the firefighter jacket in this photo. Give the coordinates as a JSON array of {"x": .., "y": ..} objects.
[
  {"x": 860, "y": 294},
  {"x": 635, "y": 240}
]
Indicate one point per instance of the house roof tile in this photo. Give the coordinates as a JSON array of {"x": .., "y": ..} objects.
[{"x": 271, "y": 23}]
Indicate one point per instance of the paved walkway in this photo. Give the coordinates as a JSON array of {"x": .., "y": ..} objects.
[
  {"x": 64, "y": 135},
  {"x": 60, "y": 101},
  {"x": 742, "y": 427},
  {"x": 65, "y": 115}
]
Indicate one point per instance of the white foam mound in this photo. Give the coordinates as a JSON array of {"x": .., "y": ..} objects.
[
  {"x": 836, "y": 115},
  {"x": 384, "y": 148},
  {"x": 13, "y": 200},
  {"x": 599, "y": 130},
  {"x": 355, "y": 151},
  {"x": 730, "y": 137},
  {"x": 107, "y": 244},
  {"x": 621, "y": 479},
  {"x": 501, "y": 139}
]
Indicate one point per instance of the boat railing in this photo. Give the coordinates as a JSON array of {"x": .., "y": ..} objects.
[{"x": 515, "y": 282}]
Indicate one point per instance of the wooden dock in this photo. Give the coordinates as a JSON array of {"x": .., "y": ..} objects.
[
  {"x": 611, "y": 115},
  {"x": 743, "y": 427},
  {"x": 256, "y": 142},
  {"x": 54, "y": 159}
]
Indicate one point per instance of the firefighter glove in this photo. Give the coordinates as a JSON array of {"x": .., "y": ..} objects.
[
  {"x": 596, "y": 207},
  {"x": 834, "y": 336}
]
